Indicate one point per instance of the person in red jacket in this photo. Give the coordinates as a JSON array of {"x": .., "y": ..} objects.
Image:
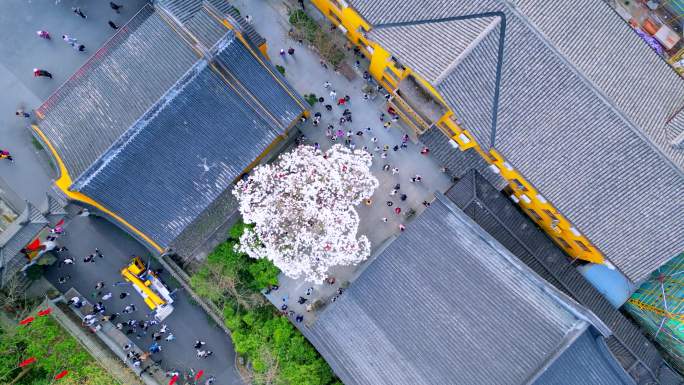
[{"x": 39, "y": 72}]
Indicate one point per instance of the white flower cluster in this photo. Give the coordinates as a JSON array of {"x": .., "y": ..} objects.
[{"x": 302, "y": 207}]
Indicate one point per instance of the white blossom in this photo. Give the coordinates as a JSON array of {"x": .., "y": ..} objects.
[{"x": 302, "y": 208}]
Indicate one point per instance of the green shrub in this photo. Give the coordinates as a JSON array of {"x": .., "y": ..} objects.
[
  {"x": 34, "y": 272},
  {"x": 259, "y": 333},
  {"x": 311, "y": 98},
  {"x": 55, "y": 351},
  {"x": 280, "y": 69}
]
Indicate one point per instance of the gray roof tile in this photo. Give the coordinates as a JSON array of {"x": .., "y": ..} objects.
[
  {"x": 117, "y": 85},
  {"x": 206, "y": 28},
  {"x": 259, "y": 81},
  {"x": 502, "y": 219},
  {"x": 441, "y": 315},
  {"x": 595, "y": 141},
  {"x": 189, "y": 154},
  {"x": 458, "y": 162}
]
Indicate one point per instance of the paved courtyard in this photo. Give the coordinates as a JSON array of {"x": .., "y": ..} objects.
[
  {"x": 305, "y": 73},
  {"x": 188, "y": 322}
]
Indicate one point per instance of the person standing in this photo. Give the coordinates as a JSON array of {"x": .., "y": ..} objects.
[
  {"x": 290, "y": 51},
  {"x": 37, "y": 72},
  {"x": 43, "y": 34},
  {"x": 69, "y": 39},
  {"x": 4, "y": 154},
  {"x": 115, "y": 7},
  {"x": 111, "y": 24},
  {"x": 21, "y": 113},
  {"x": 77, "y": 10}
]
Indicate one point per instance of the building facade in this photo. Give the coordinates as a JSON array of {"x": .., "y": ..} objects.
[{"x": 573, "y": 139}]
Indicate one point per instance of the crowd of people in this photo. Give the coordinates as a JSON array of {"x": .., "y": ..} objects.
[{"x": 111, "y": 303}]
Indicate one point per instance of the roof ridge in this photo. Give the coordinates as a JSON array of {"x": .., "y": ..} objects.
[
  {"x": 469, "y": 49},
  {"x": 561, "y": 299},
  {"x": 593, "y": 87},
  {"x": 138, "y": 126}
]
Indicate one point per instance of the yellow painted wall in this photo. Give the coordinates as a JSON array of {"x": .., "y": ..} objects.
[{"x": 534, "y": 205}]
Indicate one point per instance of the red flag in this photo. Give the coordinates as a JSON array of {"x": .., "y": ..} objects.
[
  {"x": 60, "y": 223},
  {"x": 173, "y": 379},
  {"x": 34, "y": 245},
  {"x": 61, "y": 374},
  {"x": 26, "y": 321},
  {"x": 199, "y": 374},
  {"x": 27, "y": 362},
  {"x": 45, "y": 312}
]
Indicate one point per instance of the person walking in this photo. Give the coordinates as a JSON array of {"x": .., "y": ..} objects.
[
  {"x": 77, "y": 10},
  {"x": 79, "y": 47},
  {"x": 65, "y": 261},
  {"x": 124, "y": 295},
  {"x": 115, "y": 7},
  {"x": 107, "y": 296},
  {"x": 43, "y": 34},
  {"x": 111, "y": 24},
  {"x": 69, "y": 39},
  {"x": 290, "y": 51},
  {"x": 198, "y": 344},
  {"x": 211, "y": 379},
  {"x": 4, "y": 154},
  {"x": 98, "y": 253},
  {"x": 37, "y": 72},
  {"x": 21, "y": 113}
]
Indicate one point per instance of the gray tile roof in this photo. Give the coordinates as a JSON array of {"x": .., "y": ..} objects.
[
  {"x": 117, "y": 85},
  {"x": 446, "y": 304},
  {"x": 594, "y": 140},
  {"x": 503, "y": 220},
  {"x": 10, "y": 197},
  {"x": 206, "y": 27},
  {"x": 257, "y": 78},
  {"x": 186, "y": 10},
  {"x": 188, "y": 152},
  {"x": 586, "y": 361},
  {"x": 22, "y": 231},
  {"x": 458, "y": 162}
]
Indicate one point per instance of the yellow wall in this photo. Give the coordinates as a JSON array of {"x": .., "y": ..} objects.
[
  {"x": 64, "y": 182},
  {"x": 534, "y": 205}
]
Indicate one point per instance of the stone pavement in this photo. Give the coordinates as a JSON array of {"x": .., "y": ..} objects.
[
  {"x": 22, "y": 50},
  {"x": 305, "y": 73}
]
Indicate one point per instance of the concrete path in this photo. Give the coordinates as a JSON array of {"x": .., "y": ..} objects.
[
  {"x": 188, "y": 322},
  {"x": 305, "y": 73}
]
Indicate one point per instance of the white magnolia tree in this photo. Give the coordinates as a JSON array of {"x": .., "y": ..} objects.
[{"x": 302, "y": 208}]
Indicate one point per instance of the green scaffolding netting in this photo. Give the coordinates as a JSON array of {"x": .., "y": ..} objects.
[{"x": 658, "y": 306}]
